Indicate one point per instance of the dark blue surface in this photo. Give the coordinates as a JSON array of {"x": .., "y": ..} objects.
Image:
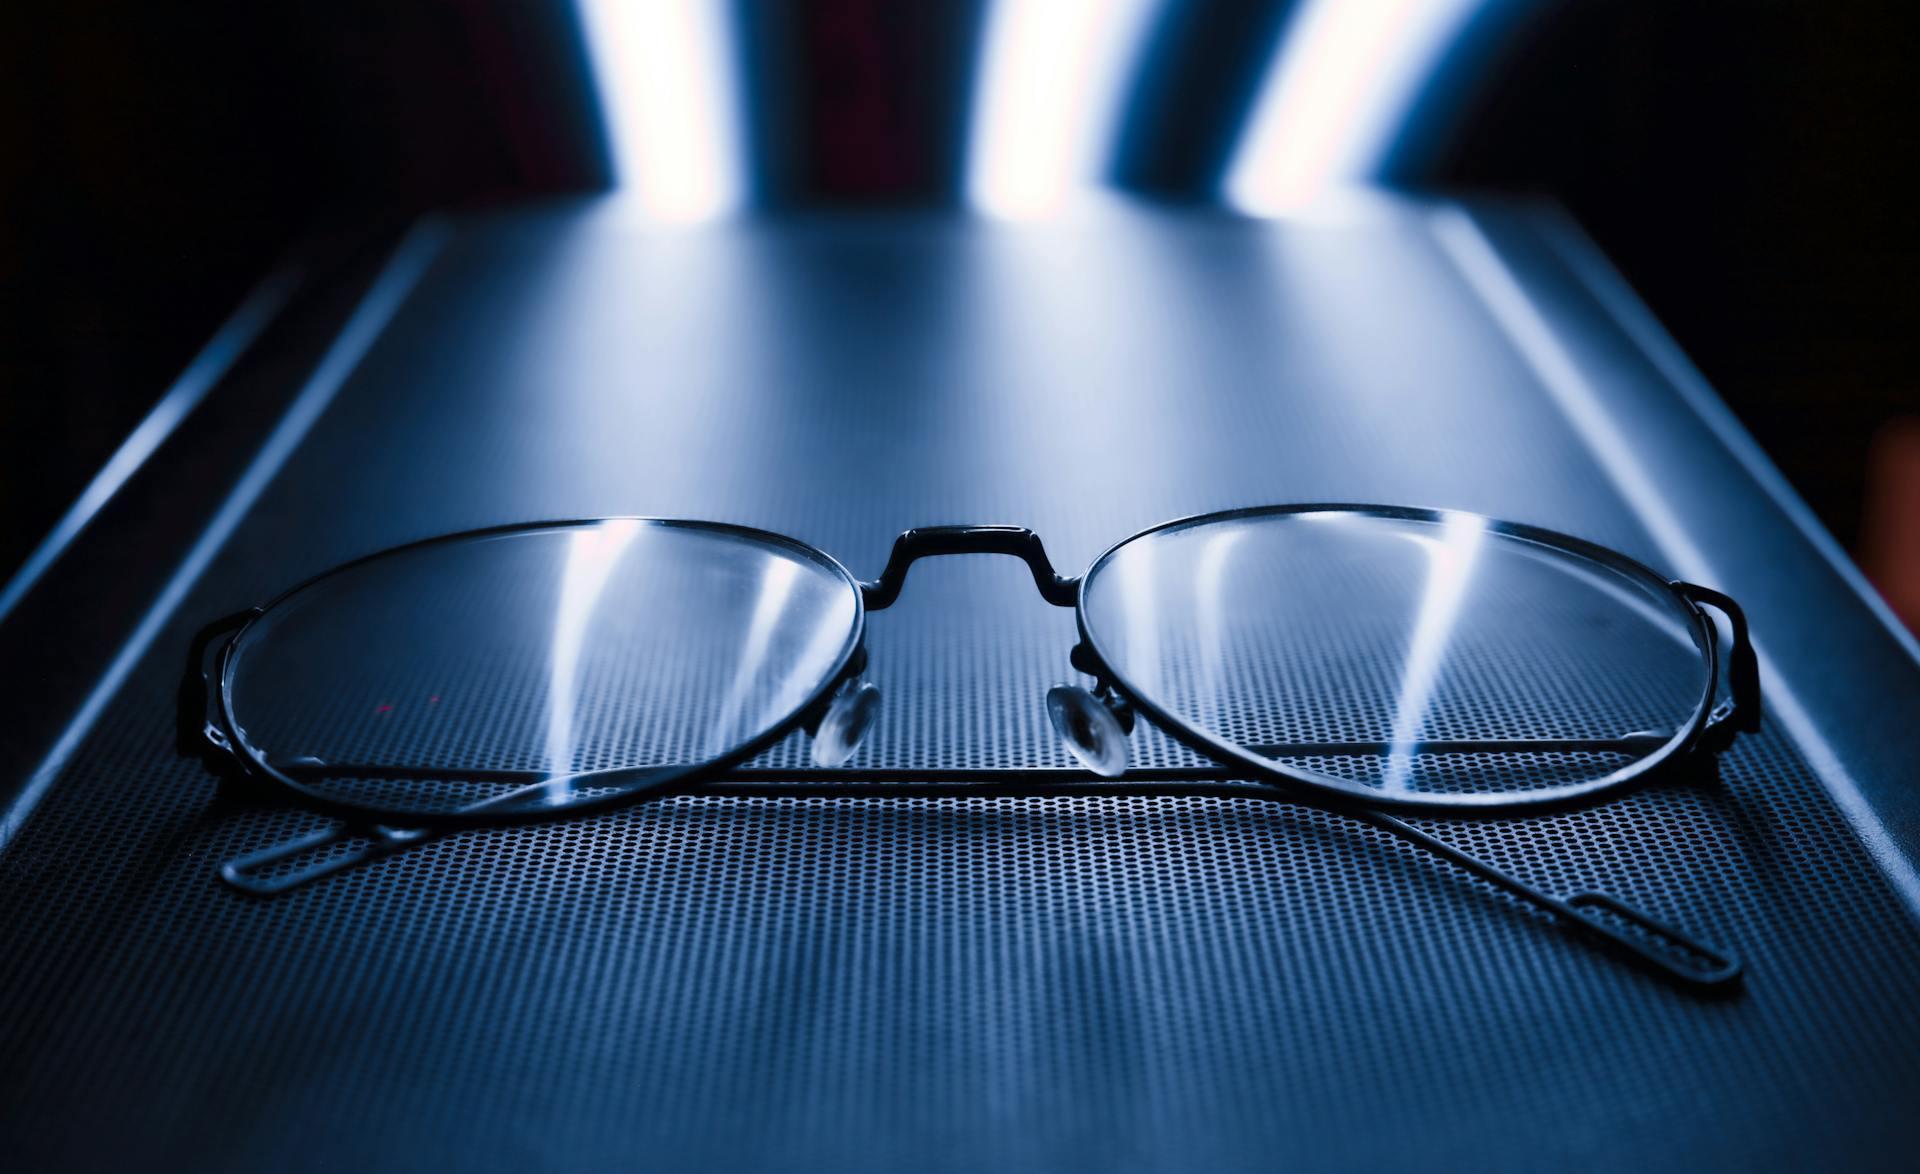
[{"x": 1044, "y": 984}]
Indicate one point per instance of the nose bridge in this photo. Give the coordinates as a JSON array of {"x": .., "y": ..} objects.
[{"x": 934, "y": 541}]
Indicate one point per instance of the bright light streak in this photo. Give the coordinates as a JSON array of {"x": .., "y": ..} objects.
[
  {"x": 1450, "y": 561},
  {"x": 1047, "y": 110},
  {"x": 1210, "y": 613},
  {"x": 206, "y": 370},
  {"x": 667, "y": 94},
  {"x": 778, "y": 577},
  {"x": 1138, "y": 574},
  {"x": 592, "y": 554},
  {"x": 1345, "y": 80}
]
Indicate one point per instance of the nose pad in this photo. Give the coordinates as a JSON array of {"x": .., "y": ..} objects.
[
  {"x": 847, "y": 721},
  {"x": 1090, "y": 729}
]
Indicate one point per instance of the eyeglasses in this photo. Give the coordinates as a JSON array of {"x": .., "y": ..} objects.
[{"x": 1367, "y": 659}]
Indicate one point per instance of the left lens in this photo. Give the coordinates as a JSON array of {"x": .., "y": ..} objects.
[
  {"x": 500, "y": 667},
  {"x": 1405, "y": 657}
]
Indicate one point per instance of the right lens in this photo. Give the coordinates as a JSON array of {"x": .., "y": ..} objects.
[
  {"x": 1407, "y": 657},
  {"x": 477, "y": 668}
]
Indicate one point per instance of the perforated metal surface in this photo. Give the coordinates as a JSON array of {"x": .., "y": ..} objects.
[{"x": 900, "y": 983}]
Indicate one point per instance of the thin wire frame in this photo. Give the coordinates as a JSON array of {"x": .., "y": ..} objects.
[
  {"x": 217, "y": 738},
  {"x": 209, "y": 731},
  {"x": 223, "y": 747},
  {"x": 1330, "y": 789}
]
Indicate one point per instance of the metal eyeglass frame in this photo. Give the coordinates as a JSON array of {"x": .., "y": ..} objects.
[{"x": 1090, "y": 721}]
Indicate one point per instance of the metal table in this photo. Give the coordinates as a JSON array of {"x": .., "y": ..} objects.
[{"x": 909, "y": 982}]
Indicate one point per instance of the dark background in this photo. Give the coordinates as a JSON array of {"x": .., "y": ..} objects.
[{"x": 1746, "y": 164}]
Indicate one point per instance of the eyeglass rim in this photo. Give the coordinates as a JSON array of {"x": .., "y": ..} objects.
[
  {"x": 1326, "y": 788},
  {"x": 255, "y": 762}
]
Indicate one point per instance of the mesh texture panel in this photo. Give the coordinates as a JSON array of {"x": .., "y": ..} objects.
[{"x": 879, "y": 984}]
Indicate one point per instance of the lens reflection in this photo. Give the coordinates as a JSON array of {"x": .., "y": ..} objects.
[
  {"x": 592, "y": 554},
  {"x": 1450, "y": 561},
  {"x": 504, "y": 665},
  {"x": 1427, "y": 660}
]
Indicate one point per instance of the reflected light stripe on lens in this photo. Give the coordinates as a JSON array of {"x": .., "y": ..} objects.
[
  {"x": 668, "y": 99},
  {"x": 1140, "y": 611},
  {"x": 1048, "y": 101},
  {"x": 1340, "y": 89},
  {"x": 776, "y": 589},
  {"x": 1210, "y": 581},
  {"x": 1450, "y": 562},
  {"x": 592, "y": 554},
  {"x": 816, "y": 658}
]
